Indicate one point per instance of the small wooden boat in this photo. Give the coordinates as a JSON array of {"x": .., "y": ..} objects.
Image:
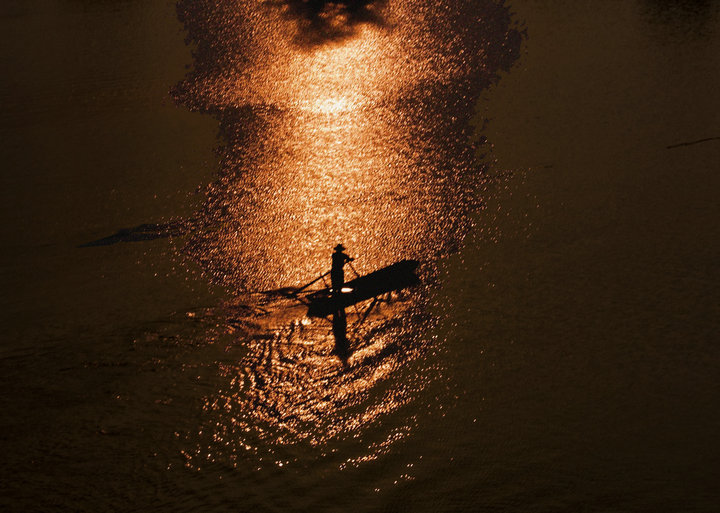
[{"x": 395, "y": 277}]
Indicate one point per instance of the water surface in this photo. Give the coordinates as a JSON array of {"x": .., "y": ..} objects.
[{"x": 560, "y": 356}]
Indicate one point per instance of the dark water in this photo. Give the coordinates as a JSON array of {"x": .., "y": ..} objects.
[{"x": 561, "y": 356}]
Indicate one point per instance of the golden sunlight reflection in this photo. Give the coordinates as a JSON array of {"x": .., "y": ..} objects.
[
  {"x": 285, "y": 387},
  {"x": 333, "y": 159},
  {"x": 361, "y": 140},
  {"x": 329, "y": 105}
]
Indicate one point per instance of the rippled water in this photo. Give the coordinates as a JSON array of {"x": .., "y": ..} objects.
[
  {"x": 357, "y": 134},
  {"x": 559, "y": 356},
  {"x": 343, "y": 123}
]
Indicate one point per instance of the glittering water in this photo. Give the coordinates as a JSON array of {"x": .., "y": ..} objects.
[
  {"x": 341, "y": 123},
  {"x": 563, "y": 360},
  {"x": 361, "y": 139}
]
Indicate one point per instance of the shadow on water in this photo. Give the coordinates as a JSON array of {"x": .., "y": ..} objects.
[
  {"x": 320, "y": 21},
  {"x": 339, "y": 327},
  {"x": 141, "y": 233}
]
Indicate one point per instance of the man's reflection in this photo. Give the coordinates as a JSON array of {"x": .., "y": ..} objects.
[{"x": 339, "y": 325}]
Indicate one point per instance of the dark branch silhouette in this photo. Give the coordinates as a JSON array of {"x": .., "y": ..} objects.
[{"x": 690, "y": 143}]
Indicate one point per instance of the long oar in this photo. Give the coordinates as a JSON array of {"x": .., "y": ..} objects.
[
  {"x": 297, "y": 291},
  {"x": 357, "y": 275}
]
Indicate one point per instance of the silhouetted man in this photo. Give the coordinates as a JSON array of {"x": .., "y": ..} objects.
[{"x": 337, "y": 274}]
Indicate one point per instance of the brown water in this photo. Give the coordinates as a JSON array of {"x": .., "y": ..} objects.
[
  {"x": 559, "y": 358},
  {"x": 344, "y": 125}
]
